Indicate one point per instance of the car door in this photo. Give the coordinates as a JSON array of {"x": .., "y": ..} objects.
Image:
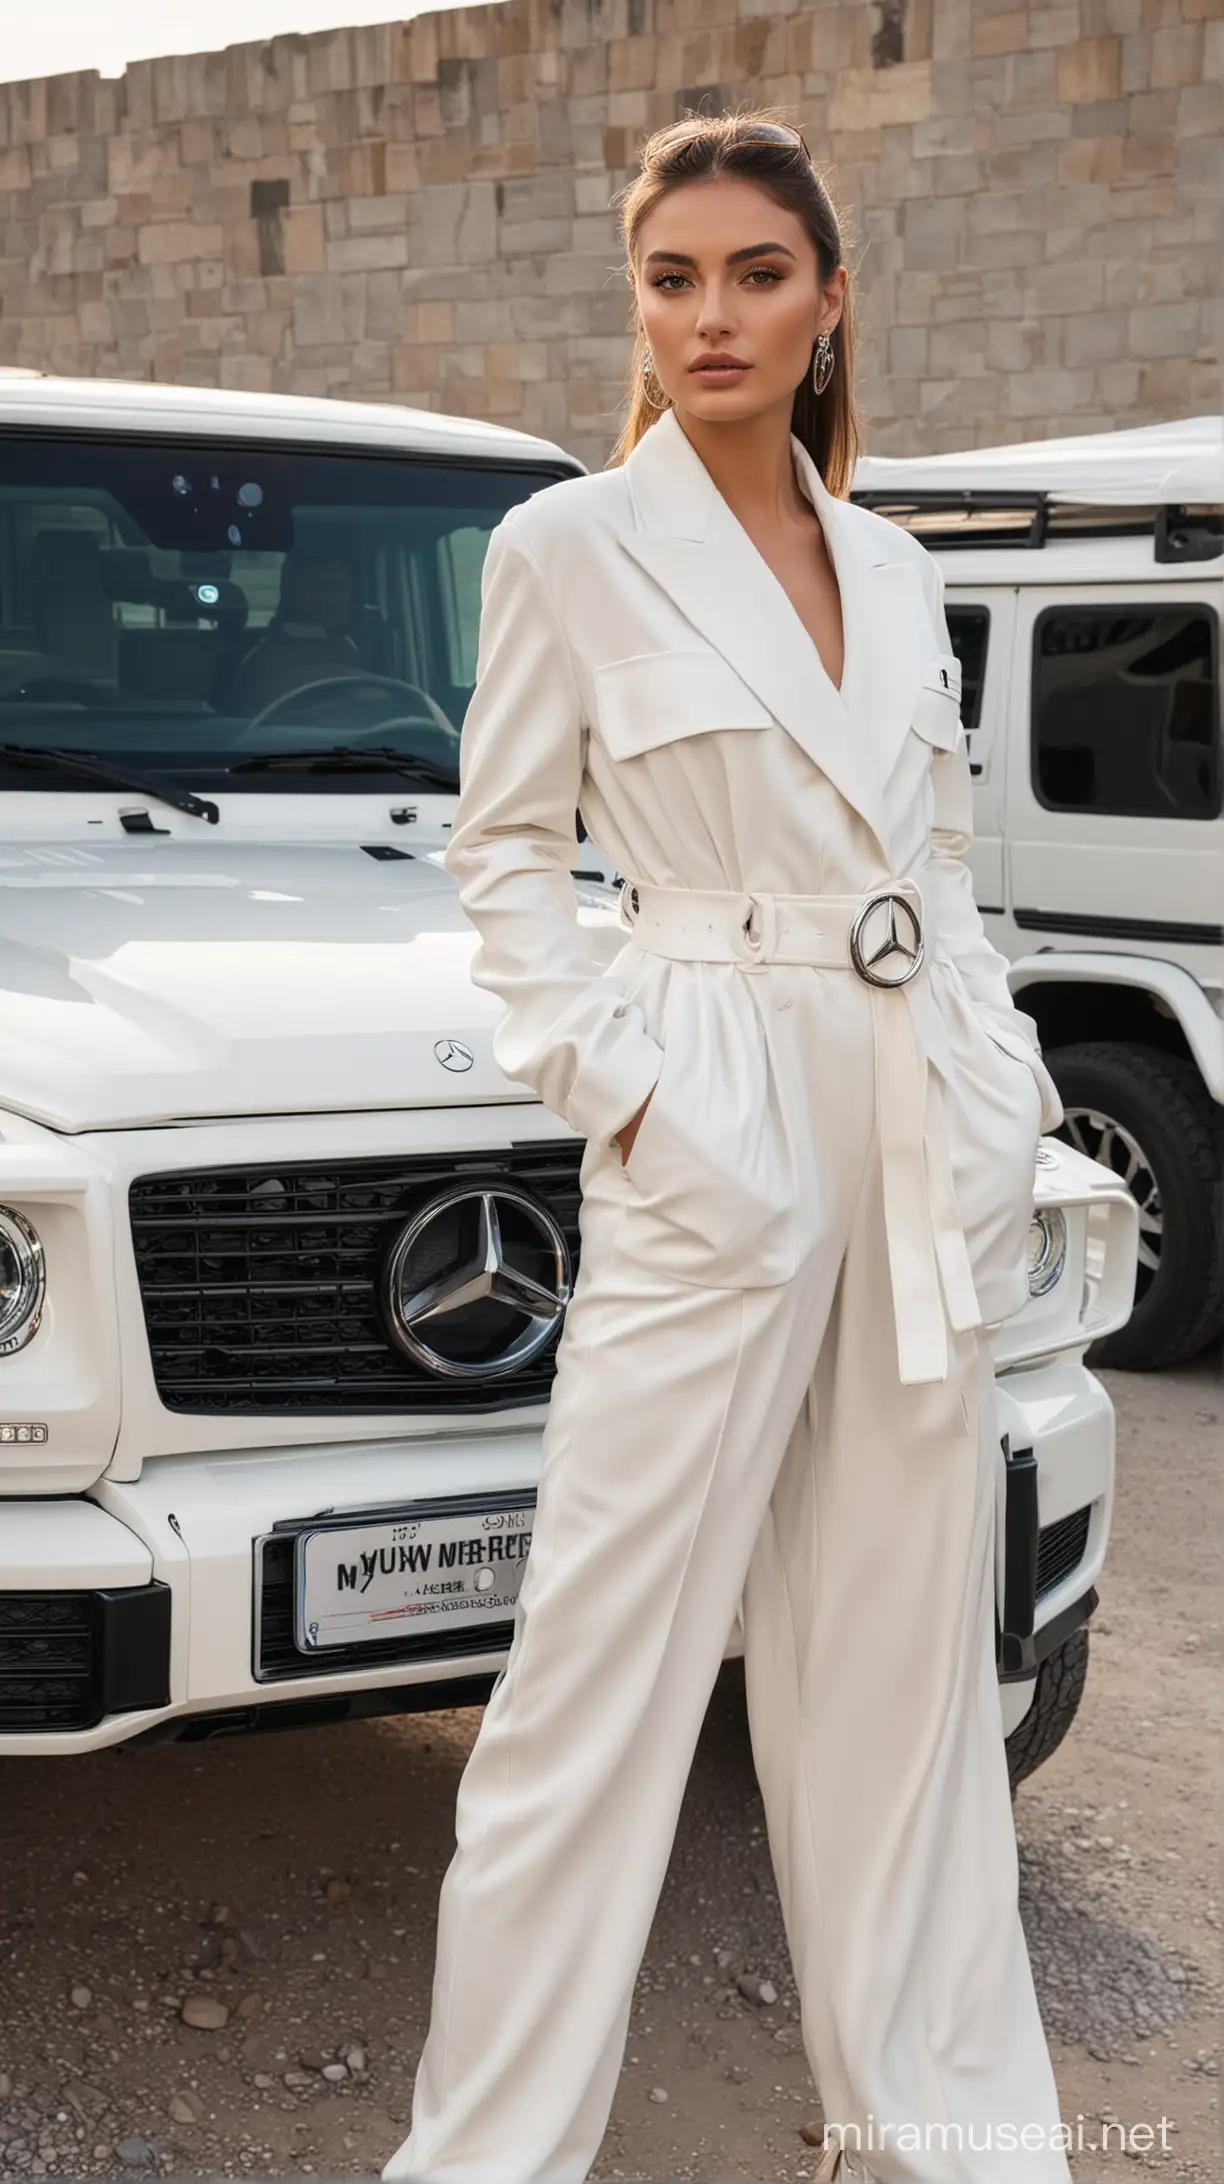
[{"x": 1115, "y": 777}]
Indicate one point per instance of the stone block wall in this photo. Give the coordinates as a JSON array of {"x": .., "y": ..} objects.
[{"x": 422, "y": 210}]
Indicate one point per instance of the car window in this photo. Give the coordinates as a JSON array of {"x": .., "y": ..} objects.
[
  {"x": 188, "y": 608},
  {"x": 1126, "y": 710},
  {"x": 969, "y": 629},
  {"x": 461, "y": 555}
]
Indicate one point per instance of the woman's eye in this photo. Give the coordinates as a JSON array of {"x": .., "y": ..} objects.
[
  {"x": 664, "y": 280},
  {"x": 766, "y": 273}
]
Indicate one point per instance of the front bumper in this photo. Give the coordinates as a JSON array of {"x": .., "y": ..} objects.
[{"x": 144, "y": 1609}]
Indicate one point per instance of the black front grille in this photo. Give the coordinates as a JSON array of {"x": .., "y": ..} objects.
[
  {"x": 1060, "y": 1548},
  {"x": 260, "y": 1284},
  {"x": 68, "y": 1659}
]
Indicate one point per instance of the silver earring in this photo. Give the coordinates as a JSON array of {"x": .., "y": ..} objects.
[
  {"x": 657, "y": 401},
  {"x": 822, "y": 364}
]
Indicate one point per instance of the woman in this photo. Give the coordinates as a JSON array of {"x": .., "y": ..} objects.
[{"x": 811, "y": 1115}]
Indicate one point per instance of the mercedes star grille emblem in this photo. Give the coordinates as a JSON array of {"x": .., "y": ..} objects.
[
  {"x": 453, "y": 1054},
  {"x": 477, "y": 1283},
  {"x": 884, "y": 939}
]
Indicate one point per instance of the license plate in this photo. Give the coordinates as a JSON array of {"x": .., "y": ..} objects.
[{"x": 412, "y": 1575}]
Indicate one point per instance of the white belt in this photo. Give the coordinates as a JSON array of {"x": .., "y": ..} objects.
[{"x": 882, "y": 935}]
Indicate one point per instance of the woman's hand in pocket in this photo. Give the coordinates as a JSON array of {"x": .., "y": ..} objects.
[{"x": 625, "y": 1137}]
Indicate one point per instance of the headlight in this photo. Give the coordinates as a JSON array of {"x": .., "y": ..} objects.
[
  {"x": 1047, "y": 1250},
  {"x": 23, "y": 1281}
]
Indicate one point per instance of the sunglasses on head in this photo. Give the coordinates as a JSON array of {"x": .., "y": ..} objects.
[{"x": 775, "y": 132}]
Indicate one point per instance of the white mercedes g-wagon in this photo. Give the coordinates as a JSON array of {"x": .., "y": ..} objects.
[
  {"x": 1085, "y": 589},
  {"x": 283, "y": 1255}
]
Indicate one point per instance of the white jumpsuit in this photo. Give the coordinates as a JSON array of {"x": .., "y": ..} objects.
[{"x": 773, "y": 1392}]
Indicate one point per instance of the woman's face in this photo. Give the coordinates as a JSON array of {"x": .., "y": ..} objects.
[{"x": 728, "y": 285}]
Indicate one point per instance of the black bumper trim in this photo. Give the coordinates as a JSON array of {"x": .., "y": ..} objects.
[
  {"x": 262, "y": 1717},
  {"x": 1055, "y": 1633},
  {"x": 1020, "y": 1646},
  {"x": 69, "y": 1659},
  {"x": 134, "y": 1648}
]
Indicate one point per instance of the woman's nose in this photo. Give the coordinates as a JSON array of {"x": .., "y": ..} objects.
[{"x": 715, "y": 317}]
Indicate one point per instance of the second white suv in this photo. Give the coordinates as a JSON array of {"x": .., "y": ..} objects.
[{"x": 1085, "y": 588}]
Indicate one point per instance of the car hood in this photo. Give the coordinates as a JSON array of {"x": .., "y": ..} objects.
[{"x": 144, "y": 984}]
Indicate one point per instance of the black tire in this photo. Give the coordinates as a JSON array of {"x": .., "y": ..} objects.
[
  {"x": 1148, "y": 1115},
  {"x": 1060, "y": 1687}
]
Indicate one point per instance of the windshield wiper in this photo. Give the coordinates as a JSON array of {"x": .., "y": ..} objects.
[
  {"x": 55, "y": 760},
  {"x": 340, "y": 758}
]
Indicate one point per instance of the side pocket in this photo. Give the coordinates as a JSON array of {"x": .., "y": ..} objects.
[
  {"x": 1012, "y": 1043},
  {"x": 712, "y": 1191},
  {"x": 644, "y": 1130},
  {"x": 1018, "y": 1049}
]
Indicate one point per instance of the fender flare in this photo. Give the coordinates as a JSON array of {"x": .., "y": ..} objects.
[{"x": 1169, "y": 982}]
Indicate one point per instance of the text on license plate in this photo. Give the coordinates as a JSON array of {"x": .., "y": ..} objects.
[{"x": 410, "y": 1575}]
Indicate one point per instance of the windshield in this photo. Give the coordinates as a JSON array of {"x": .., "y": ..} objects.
[{"x": 217, "y": 616}]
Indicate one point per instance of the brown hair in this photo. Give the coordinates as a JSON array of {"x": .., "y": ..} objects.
[{"x": 754, "y": 146}]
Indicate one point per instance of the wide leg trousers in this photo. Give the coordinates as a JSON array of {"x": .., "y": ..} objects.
[{"x": 707, "y": 1449}]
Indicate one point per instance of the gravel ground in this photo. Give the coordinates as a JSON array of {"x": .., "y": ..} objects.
[{"x": 216, "y": 1960}]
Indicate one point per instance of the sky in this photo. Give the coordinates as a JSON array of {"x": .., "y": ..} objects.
[{"x": 62, "y": 35}]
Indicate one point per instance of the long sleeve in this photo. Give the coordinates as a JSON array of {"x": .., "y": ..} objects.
[
  {"x": 565, "y": 1029},
  {"x": 958, "y": 920}
]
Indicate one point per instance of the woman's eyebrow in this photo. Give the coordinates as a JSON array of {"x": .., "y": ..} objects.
[
  {"x": 734, "y": 257},
  {"x": 759, "y": 250}
]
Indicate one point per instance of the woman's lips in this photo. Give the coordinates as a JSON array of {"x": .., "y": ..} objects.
[{"x": 718, "y": 371}]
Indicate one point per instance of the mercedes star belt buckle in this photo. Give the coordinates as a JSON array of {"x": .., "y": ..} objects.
[{"x": 876, "y": 936}]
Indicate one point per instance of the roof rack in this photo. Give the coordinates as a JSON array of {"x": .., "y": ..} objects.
[{"x": 980, "y": 516}]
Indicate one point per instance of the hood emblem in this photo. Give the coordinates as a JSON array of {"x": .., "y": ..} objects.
[{"x": 453, "y": 1054}]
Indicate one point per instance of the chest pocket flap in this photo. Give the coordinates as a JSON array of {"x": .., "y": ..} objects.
[
  {"x": 657, "y": 697},
  {"x": 936, "y": 714}
]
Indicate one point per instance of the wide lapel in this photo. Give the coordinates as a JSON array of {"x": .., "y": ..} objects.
[
  {"x": 881, "y": 599},
  {"x": 689, "y": 541}
]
